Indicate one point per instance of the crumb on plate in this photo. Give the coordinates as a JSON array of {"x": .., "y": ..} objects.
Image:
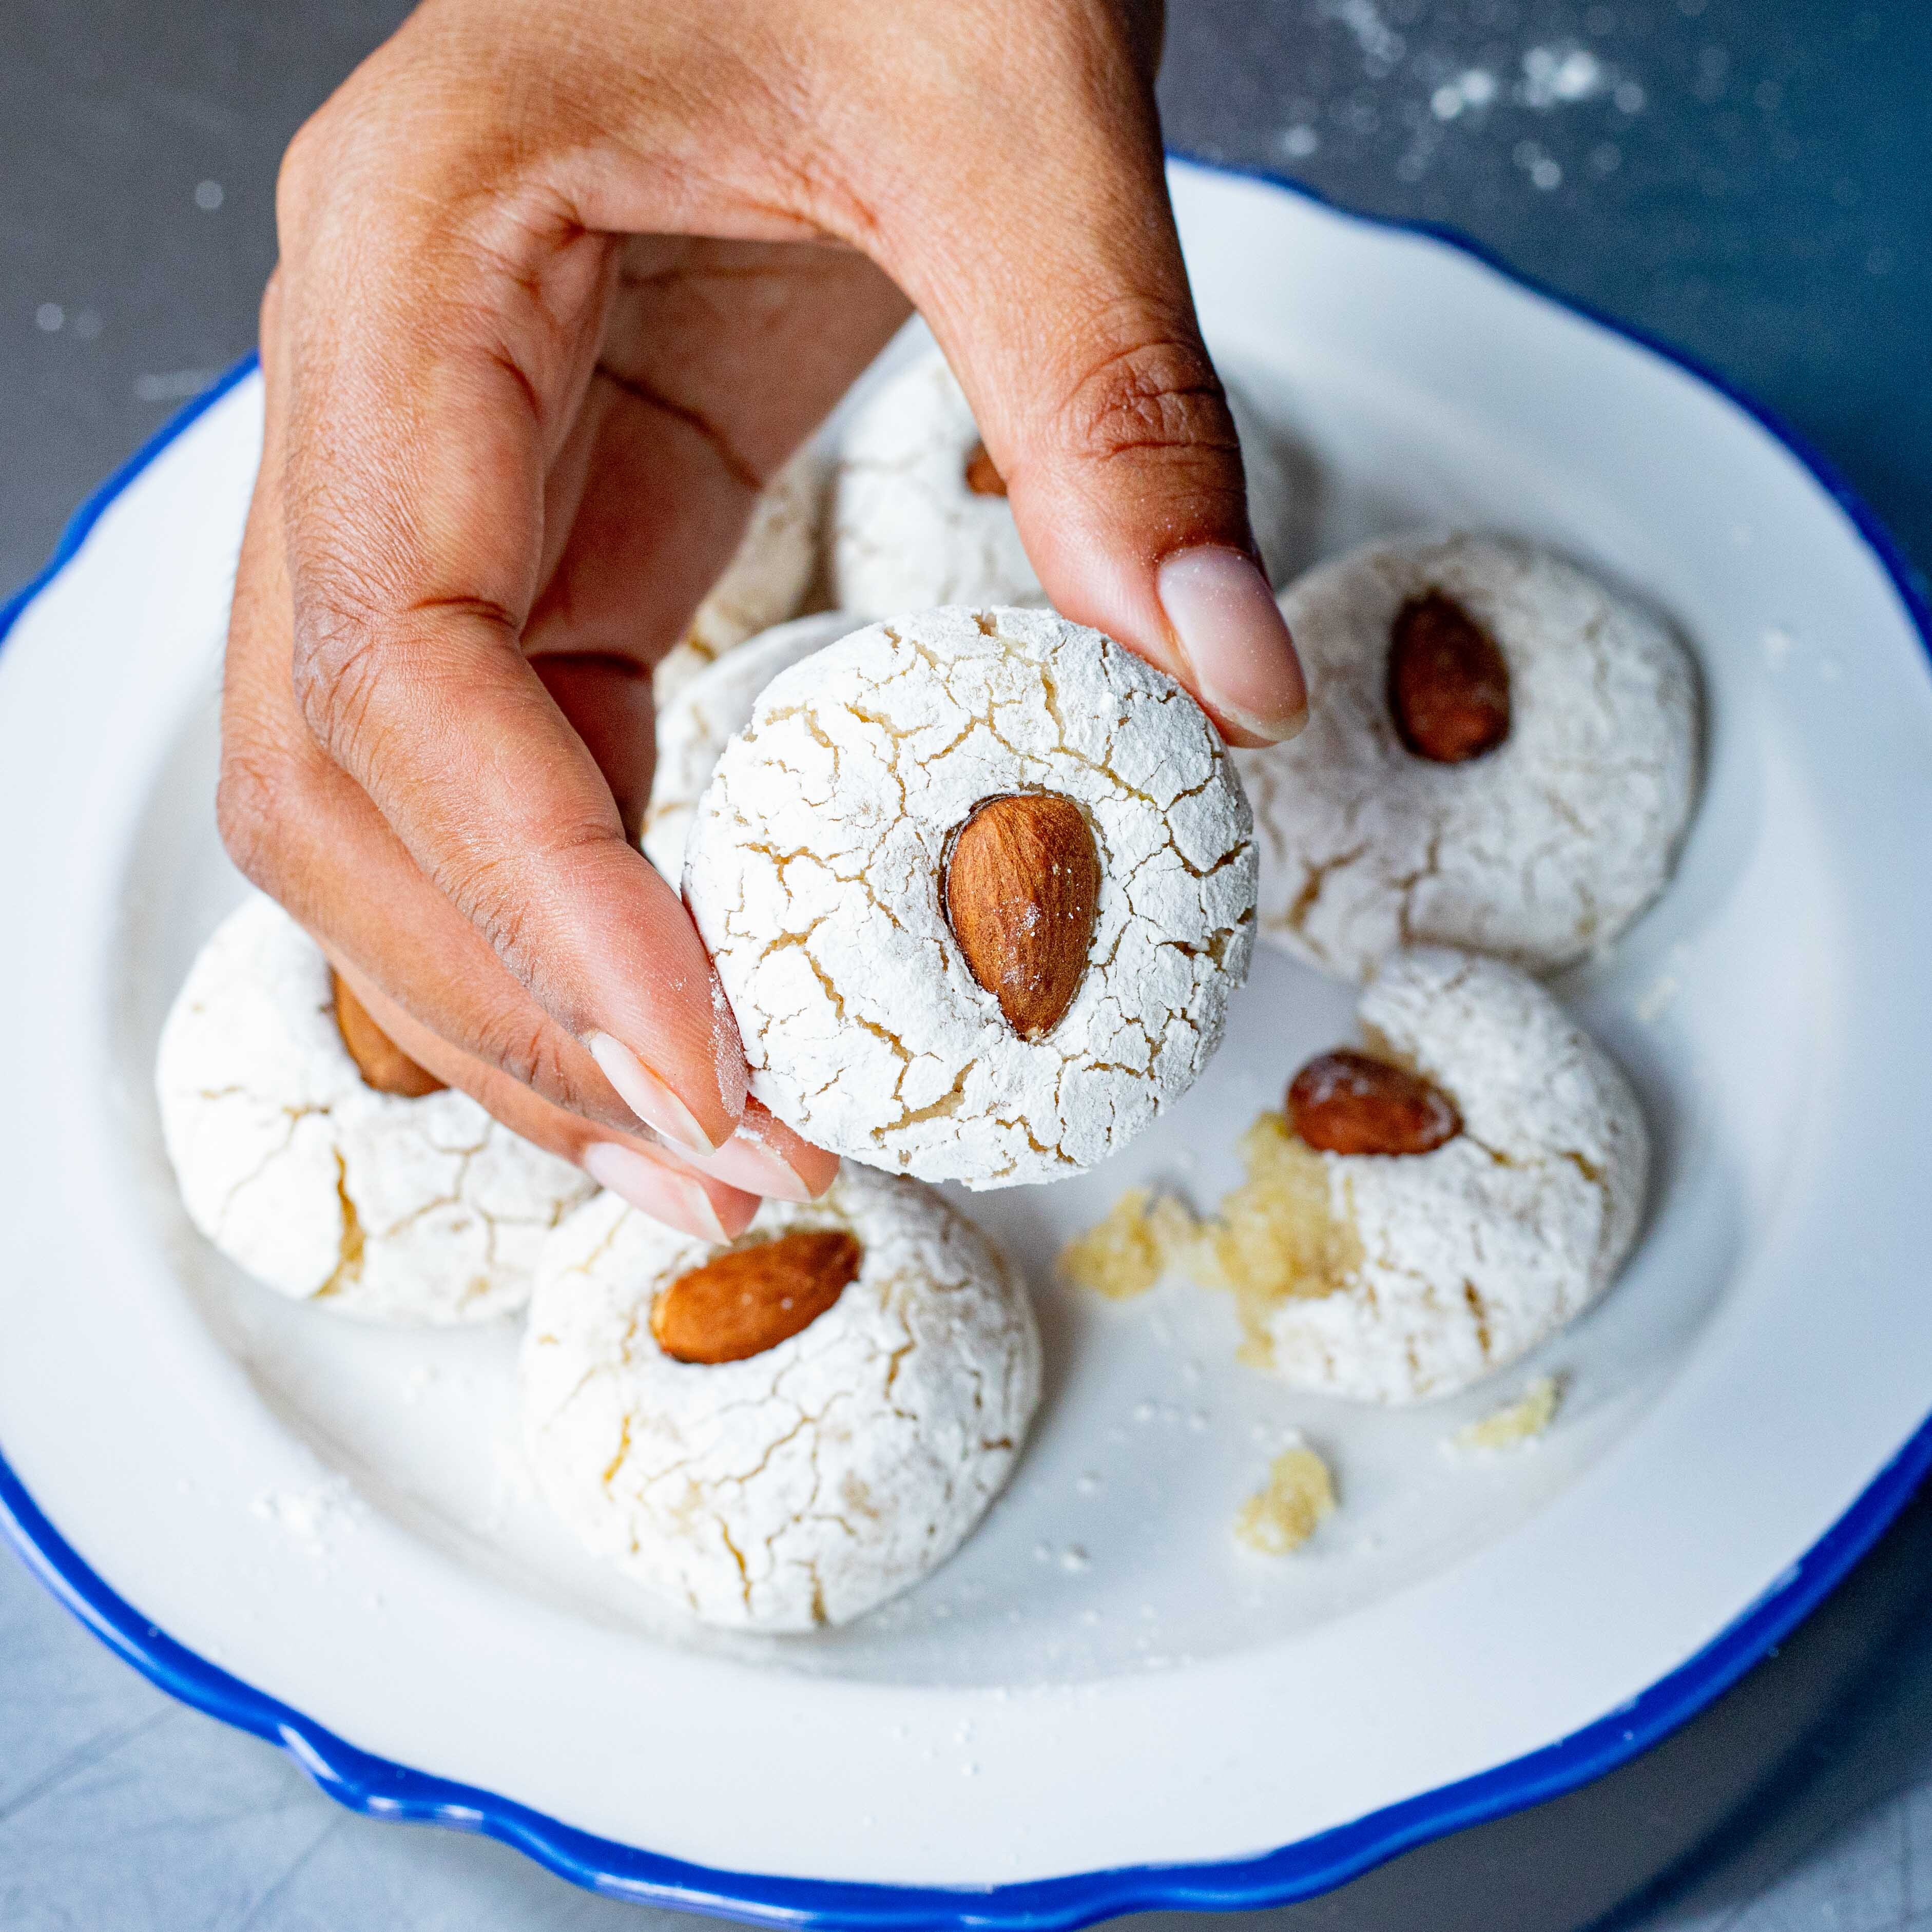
[
  {"x": 1282, "y": 1517},
  {"x": 1515, "y": 1423},
  {"x": 1276, "y": 1236},
  {"x": 1143, "y": 1234}
]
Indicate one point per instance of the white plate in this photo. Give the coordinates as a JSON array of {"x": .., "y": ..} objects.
[{"x": 322, "y": 1532}]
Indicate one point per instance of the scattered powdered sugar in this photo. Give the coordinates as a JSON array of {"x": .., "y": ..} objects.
[
  {"x": 1555, "y": 77},
  {"x": 1437, "y": 89},
  {"x": 1474, "y": 88},
  {"x": 1381, "y": 45},
  {"x": 314, "y": 1518}
]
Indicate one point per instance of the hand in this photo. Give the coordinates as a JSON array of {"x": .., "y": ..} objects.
[{"x": 562, "y": 281}]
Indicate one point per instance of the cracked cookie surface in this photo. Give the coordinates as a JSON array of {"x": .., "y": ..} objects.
[
  {"x": 908, "y": 529},
  {"x": 1443, "y": 1267},
  {"x": 695, "y": 724},
  {"x": 1540, "y": 850},
  {"x": 814, "y": 871},
  {"x": 767, "y": 578},
  {"x": 421, "y": 1211},
  {"x": 802, "y": 1486}
]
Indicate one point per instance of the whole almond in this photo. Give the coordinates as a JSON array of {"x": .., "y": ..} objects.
[
  {"x": 983, "y": 474},
  {"x": 1350, "y": 1103},
  {"x": 1448, "y": 681},
  {"x": 748, "y": 1300},
  {"x": 382, "y": 1064},
  {"x": 1022, "y": 886}
]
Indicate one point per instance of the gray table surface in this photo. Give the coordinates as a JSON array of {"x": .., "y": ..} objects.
[{"x": 1745, "y": 179}]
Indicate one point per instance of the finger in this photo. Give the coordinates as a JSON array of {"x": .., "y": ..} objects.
[
  {"x": 651, "y": 1178},
  {"x": 299, "y": 827},
  {"x": 418, "y": 435},
  {"x": 1067, "y": 315}
]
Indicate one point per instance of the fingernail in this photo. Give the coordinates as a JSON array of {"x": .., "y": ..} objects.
[
  {"x": 754, "y": 1161},
  {"x": 1231, "y": 632},
  {"x": 647, "y": 1096},
  {"x": 655, "y": 1189}
]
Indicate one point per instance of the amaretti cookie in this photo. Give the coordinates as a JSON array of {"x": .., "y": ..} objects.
[
  {"x": 1428, "y": 1210},
  {"x": 1501, "y": 754},
  {"x": 768, "y": 576},
  {"x": 410, "y": 1205},
  {"x": 978, "y": 885},
  {"x": 920, "y": 514},
  {"x": 695, "y": 724},
  {"x": 782, "y": 1433}
]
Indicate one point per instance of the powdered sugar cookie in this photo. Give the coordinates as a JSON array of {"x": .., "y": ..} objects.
[
  {"x": 411, "y": 1206},
  {"x": 694, "y": 725},
  {"x": 767, "y": 578},
  {"x": 978, "y": 885},
  {"x": 1391, "y": 1275},
  {"x": 785, "y": 1431},
  {"x": 920, "y": 514},
  {"x": 1500, "y": 753}
]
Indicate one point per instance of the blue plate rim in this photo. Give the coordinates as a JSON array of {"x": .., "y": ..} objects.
[{"x": 380, "y": 1788}]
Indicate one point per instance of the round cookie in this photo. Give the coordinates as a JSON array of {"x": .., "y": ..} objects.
[
  {"x": 1541, "y": 848},
  {"x": 1393, "y": 1277},
  {"x": 802, "y": 1484},
  {"x": 767, "y": 578},
  {"x": 416, "y": 1211},
  {"x": 978, "y": 885},
  {"x": 920, "y": 514},
  {"x": 695, "y": 724}
]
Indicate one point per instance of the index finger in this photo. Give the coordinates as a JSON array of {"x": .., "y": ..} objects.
[{"x": 417, "y": 437}]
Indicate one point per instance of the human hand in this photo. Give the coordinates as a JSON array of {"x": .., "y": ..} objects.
[{"x": 560, "y": 284}]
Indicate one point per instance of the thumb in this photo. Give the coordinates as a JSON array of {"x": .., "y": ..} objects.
[{"x": 1067, "y": 317}]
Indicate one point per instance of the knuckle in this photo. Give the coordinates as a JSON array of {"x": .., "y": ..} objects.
[
  {"x": 519, "y": 1041},
  {"x": 336, "y": 668},
  {"x": 493, "y": 889},
  {"x": 251, "y": 801},
  {"x": 1155, "y": 394},
  {"x": 306, "y": 166}
]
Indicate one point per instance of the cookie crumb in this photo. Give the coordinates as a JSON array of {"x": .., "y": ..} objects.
[
  {"x": 1300, "y": 1491},
  {"x": 1515, "y": 1424},
  {"x": 1277, "y": 1236},
  {"x": 1143, "y": 1234}
]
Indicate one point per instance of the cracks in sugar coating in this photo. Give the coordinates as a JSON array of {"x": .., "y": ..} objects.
[
  {"x": 376, "y": 1205},
  {"x": 795, "y": 1487},
  {"x": 1471, "y": 1254},
  {"x": 1546, "y": 846},
  {"x": 823, "y": 838}
]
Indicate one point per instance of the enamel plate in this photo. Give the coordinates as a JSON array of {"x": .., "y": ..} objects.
[{"x": 324, "y": 1534}]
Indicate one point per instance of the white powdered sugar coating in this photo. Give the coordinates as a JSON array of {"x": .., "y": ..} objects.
[
  {"x": 908, "y": 532},
  {"x": 409, "y": 1211},
  {"x": 814, "y": 872},
  {"x": 803, "y": 1486},
  {"x": 1539, "y": 851},
  {"x": 767, "y": 578},
  {"x": 1475, "y": 1252},
  {"x": 696, "y": 723}
]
